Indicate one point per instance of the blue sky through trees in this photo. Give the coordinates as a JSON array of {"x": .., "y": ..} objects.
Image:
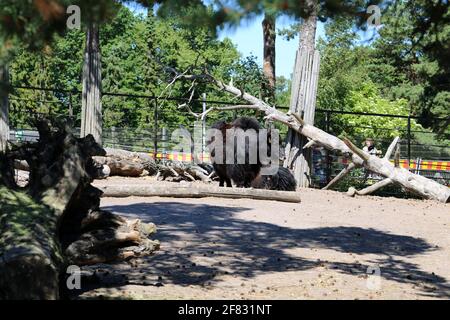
[{"x": 248, "y": 38}]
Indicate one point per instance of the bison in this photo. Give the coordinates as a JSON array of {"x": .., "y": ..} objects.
[
  {"x": 282, "y": 180},
  {"x": 246, "y": 173},
  {"x": 242, "y": 174}
]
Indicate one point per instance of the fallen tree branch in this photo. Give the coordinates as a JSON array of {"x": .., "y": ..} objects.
[
  {"x": 380, "y": 184},
  {"x": 392, "y": 148},
  {"x": 144, "y": 159},
  {"x": 371, "y": 189},
  {"x": 121, "y": 166},
  {"x": 414, "y": 183},
  {"x": 191, "y": 190},
  {"x": 340, "y": 176},
  {"x": 179, "y": 171}
]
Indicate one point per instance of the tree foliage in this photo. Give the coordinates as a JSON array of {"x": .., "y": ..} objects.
[
  {"x": 390, "y": 75},
  {"x": 135, "y": 50},
  {"x": 407, "y": 63},
  {"x": 413, "y": 50},
  {"x": 33, "y": 24}
]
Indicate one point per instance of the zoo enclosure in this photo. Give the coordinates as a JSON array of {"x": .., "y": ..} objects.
[{"x": 431, "y": 160}]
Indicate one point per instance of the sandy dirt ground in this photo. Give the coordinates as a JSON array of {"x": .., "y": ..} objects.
[{"x": 329, "y": 246}]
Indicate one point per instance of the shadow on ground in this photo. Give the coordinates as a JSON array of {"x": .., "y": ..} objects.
[{"x": 189, "y": 232}]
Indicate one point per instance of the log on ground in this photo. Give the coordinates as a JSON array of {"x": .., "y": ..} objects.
[
  {"x": 121, "y": 166},
  {"x": 143, "y": 158},
  {"x": 194, "y": 190}
]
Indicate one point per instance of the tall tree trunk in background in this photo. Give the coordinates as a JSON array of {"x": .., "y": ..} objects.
[
  {"x": 91, "y": 114},
  {"x": 4, "y": 105},
  {"x": 150, "y": 75},
  {"x": 269, "y": 34},
  {"x": 151, "y": 66},
  {"x": 303, "y": 97}
]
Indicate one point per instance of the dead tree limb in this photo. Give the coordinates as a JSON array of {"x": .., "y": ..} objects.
[
  {"x": 121, "y": 166},
  {"x": 179, "y": 171},
  {"x": 380, "y": 184},
  {"x": 352, "y": 166},
  {"x": 392, "y": 148},
  {"x": 364, "y": 192},
  {"x": 340, "y": 176},
  {"x": 143, "y": 158},
  {"x": 191, "y": 190},
  {"x": 414, "y": 183}
]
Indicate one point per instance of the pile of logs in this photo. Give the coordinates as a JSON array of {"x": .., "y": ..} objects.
[
  {"x": 55, "y": 221},
  {"x": 124, "y": 163},
  {"x": 179, "y": 171},
  {"x": 117, "y": 162}
]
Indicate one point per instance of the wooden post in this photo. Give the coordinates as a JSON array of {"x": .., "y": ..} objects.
[
  {"x": 155, "y": 129},
  {"x": 91, "y": 114},
  {"x": 4, "y": 104},
  {"x": 203, "y": 129},
  {"x": 409, "y": 141},
  {"x": 327, "y": 152},
  {"x": 303, "y": 103},
  {"x": 303, "y": 97}
]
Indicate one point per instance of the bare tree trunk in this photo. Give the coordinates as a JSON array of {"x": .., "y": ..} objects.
[
  {"x": 91, "y": 114},
  {"x": 269, "y": 34},
  {"x": 4, "y": 105},
  {"x": 303, "y": 98}
]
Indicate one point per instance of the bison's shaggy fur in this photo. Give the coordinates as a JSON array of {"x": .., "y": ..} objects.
[
  {"x": 282, "y": 180},
  {"x": 241, "y": 174},
  {"x": 245, "y": 174}
]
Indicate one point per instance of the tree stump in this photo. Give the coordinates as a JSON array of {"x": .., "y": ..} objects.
[{"x": 55, "y": 220}]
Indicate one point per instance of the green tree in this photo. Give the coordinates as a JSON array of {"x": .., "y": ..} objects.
[
  {"x": 354, "y": 79},
  {"x": 413, "y": 51},
  {"x": 135, "y": 50}
]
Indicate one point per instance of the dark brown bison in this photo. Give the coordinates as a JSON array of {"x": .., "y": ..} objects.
[
  {"x": 248, "y": 173},
  {"x": 242, "y": 173},
  {"x": 221, "y": 168}
]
